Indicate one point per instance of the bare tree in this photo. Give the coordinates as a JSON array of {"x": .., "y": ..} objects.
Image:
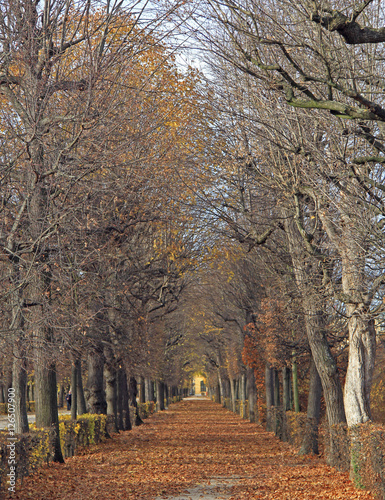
[
  {"x": 62, "y": 69},
  {"x": 312, "y": 57}
]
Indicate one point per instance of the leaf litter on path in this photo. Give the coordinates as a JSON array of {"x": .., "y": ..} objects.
[{"x": 194, "y": 450}]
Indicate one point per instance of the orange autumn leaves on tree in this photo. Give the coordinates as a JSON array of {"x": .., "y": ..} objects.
[
  {"x": 266, "y": 335},
  {"x": 252, "y": 358},
  {"x": 273, "y": 338}
]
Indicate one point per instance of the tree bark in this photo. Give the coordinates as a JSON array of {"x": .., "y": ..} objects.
[
  {"x": 46, "y": 403},
  {"x": 350, "y": 242},
  {"x": 142, "y": 390},
  {"x": 304, "y": 264},
  {"x": 287, "y": 393},
  {"x": 111, "y": 385},
  {"x": 149, "y": 389},
  {"x": 20, "y": 377},
  {"x": 123, "y": 400},
  {"x": 19, "y": 368},
  {"x": 95, "y": 396},
  {"x": 251, "y": 394},
  {"x": 221, "y": 388},
  {"x": 243, "y": 394},
  {"x": 277, "y": 392},
  {"x": 269, "y": 391},
  {"x": 61, "y": 396},
  {"x": 294, "y": 372},
  {"x": 359, "y": 374},
  {"x": 74, "y": 388},
  {"x": 269, "y": 385},
  {"x": 82, "y": 408},
  {"x": 232, "y": 392},
  {"x": 166, "y": 395},
  {"x": 159, "y": 395},
  {"x": 133, "y": 392},
  {"x": 310, "y": 438}
]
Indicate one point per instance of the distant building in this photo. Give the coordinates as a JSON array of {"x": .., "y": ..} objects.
[{"x": 199, "y": 385}]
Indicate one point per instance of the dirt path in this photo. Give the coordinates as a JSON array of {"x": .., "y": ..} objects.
[{"x": 195, "y": 450}]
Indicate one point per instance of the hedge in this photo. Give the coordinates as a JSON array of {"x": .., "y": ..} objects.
[
  {"x": 30, "y": 451},
  {"x": 360, "y": 450},
  {"x": 4, "y": 409}
]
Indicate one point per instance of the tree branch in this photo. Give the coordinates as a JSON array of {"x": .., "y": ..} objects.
[{"x": 348, "y": 27}]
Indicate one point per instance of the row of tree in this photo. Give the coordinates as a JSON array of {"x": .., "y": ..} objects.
[
  {"x": 301, "y": 93},
  {"x": 99, "y": 130},
  {"x": 159, "y": 224}
]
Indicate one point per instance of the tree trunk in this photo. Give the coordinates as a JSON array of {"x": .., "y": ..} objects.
[
  {"x": 142, "y": 390},
  {"x": 359, "y": 374},
  {"x": 251, "y": 394},
  {"x": 294, "y": 371},
  {"x": 232, "y": 392},
  {"x": 61, "y": 396},
  {"x": 269, "y": 385},
  {"x": 133, "y": 392},
  {"x": 46, "y": 403},
  {"x": 111, "y": 385},
  {"x": 81, "y": 402},
  {"x": 221, "y": 388},
  {"x": 286, "y": 382},
  {"x": 166, "y": 395},
  {"x": 242, "y": 387},
  {"x": 19, "y": 383},
  {"x": 326, "y": 367},
  {"x": 74, "y": 389},
  {"x": 310, "y": 438},
  {"x": 313, "y": 305},
  {"x": 95, "y": 396},
  {"x": 277, "y": 392},
  {"x": 217, "y": 393},
  {"x": 149, "y": 387},
  {"x": 159, "y": 395},
  {"x": 123, "y": 400},
  {"x": 269, "y": 388},
  {"x": 350, "y": 243},
  {"x": 19, "y": 368}
]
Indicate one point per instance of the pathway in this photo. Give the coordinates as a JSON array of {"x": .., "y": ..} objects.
[
  {"x": 196, "y": 450},
  {"x": 31, "y": 418}
]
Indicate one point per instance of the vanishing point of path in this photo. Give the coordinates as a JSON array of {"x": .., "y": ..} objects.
[{"x": 195, "y": 450}]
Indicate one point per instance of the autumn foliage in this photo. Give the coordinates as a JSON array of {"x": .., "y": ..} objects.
[{"x": 184, "y": 447}]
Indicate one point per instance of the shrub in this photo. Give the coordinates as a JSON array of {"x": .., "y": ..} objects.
[
  {"x": 4, "y": 409},
  {"x": 31, "y": 451},
  {"x": 295, "y": 427},
  {"x": 146, "y": 409}
]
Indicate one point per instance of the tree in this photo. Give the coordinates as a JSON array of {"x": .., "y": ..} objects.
[
  {"x": 263, "y": 198},
  {"x": 62, "y": 85},
  {"x": 330, "y": 68}
]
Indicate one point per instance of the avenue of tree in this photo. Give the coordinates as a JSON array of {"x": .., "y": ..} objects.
[{"x": 157, "y": 221}]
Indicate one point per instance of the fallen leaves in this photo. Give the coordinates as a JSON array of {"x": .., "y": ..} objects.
[{"x": 190, "y": 444}]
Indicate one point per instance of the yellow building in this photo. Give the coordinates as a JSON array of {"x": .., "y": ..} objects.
[{"x": 199, "y": 385}]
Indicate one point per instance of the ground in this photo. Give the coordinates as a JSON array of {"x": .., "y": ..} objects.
[{"x": 195, "y": 450}]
